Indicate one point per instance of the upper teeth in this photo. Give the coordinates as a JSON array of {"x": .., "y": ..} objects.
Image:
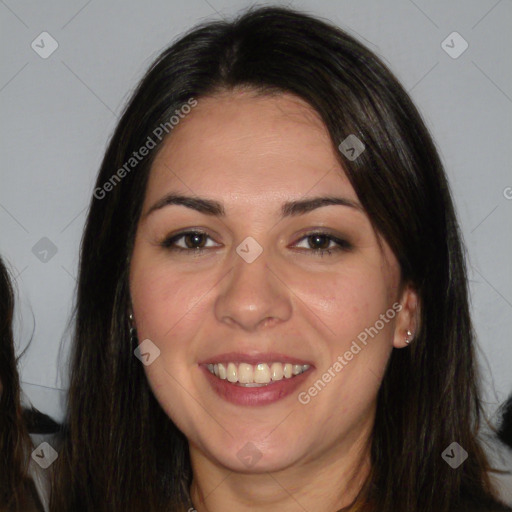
[{"x": 260, "y": 373}]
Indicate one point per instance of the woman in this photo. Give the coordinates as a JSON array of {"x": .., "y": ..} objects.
[
  {"x": 272, "y": 308},
  {"x": 17, "y": 490}
]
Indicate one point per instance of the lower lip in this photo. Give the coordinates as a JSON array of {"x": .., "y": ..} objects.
[{"x": 262, "y": 395}]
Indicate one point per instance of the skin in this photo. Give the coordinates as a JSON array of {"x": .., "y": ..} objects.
[{"x": 253, "y": 153}]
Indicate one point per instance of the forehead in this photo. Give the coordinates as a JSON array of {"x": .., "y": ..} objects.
[{"x": 251, "y": 145}]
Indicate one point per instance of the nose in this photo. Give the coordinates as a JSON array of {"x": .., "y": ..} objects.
[{"x": 253, "y": 295}]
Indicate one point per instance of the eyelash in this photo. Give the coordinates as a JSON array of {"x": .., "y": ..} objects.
[{"x": 342, "y": 245}]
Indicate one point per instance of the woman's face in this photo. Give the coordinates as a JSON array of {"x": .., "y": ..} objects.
[{"x": 260, "y": 292}]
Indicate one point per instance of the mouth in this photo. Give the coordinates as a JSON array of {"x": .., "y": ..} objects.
[
  {"x": 261, "y": 374},
  {"x": 241, "y": 380}
]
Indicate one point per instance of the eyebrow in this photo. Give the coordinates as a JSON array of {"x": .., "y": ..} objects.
[{"x": 216, "y": 209}]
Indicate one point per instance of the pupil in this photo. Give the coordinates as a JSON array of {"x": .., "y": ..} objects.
[
  {"x": 194, "y": 237},
  {"x": 316, "y": 238}
]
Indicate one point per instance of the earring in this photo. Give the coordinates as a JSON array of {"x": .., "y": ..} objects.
[
  {"x": 407, "y": 340},
  {"x": 133, "y": 331}
]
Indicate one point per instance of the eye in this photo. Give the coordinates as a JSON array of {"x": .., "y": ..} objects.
[
  {"x": 193, "y": 240},
  {"x": 194, "y": 243},
  {"x": 321, "y": 243}
]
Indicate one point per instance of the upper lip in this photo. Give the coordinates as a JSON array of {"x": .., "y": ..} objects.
[{"x": 254, "y": 358}]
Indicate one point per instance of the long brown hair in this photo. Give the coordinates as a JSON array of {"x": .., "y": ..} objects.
[
  {"x": 121, "y": 452},
  {"x": 14, "y": 439}
]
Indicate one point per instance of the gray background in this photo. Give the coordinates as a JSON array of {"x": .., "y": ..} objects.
[{"x": 58, "y": 113}]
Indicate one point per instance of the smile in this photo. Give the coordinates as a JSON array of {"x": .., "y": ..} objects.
[{"x": 258, "y": 375}]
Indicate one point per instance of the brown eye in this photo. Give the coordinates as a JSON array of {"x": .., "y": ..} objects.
[
  {"x": 194, "y": 241},
  {"x": 320, "y": 243}
]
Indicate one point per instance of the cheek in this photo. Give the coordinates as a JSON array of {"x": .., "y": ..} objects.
[
  {"x": 169, "y": 307},
  {"x": 159, "y": 301},
  {"x": 356, "y": 344},
  {"x": 347, "y": 302}
]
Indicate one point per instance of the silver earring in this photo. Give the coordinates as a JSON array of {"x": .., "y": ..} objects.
[
  {"x": 407, "y": 340},
  {"x": 133, "y": 331}
]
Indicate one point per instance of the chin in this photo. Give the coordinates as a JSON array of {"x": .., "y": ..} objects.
[{"x": 253, "y": 457}]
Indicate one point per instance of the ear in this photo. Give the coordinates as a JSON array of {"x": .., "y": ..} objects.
[{"x": 407, "y": 318}]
